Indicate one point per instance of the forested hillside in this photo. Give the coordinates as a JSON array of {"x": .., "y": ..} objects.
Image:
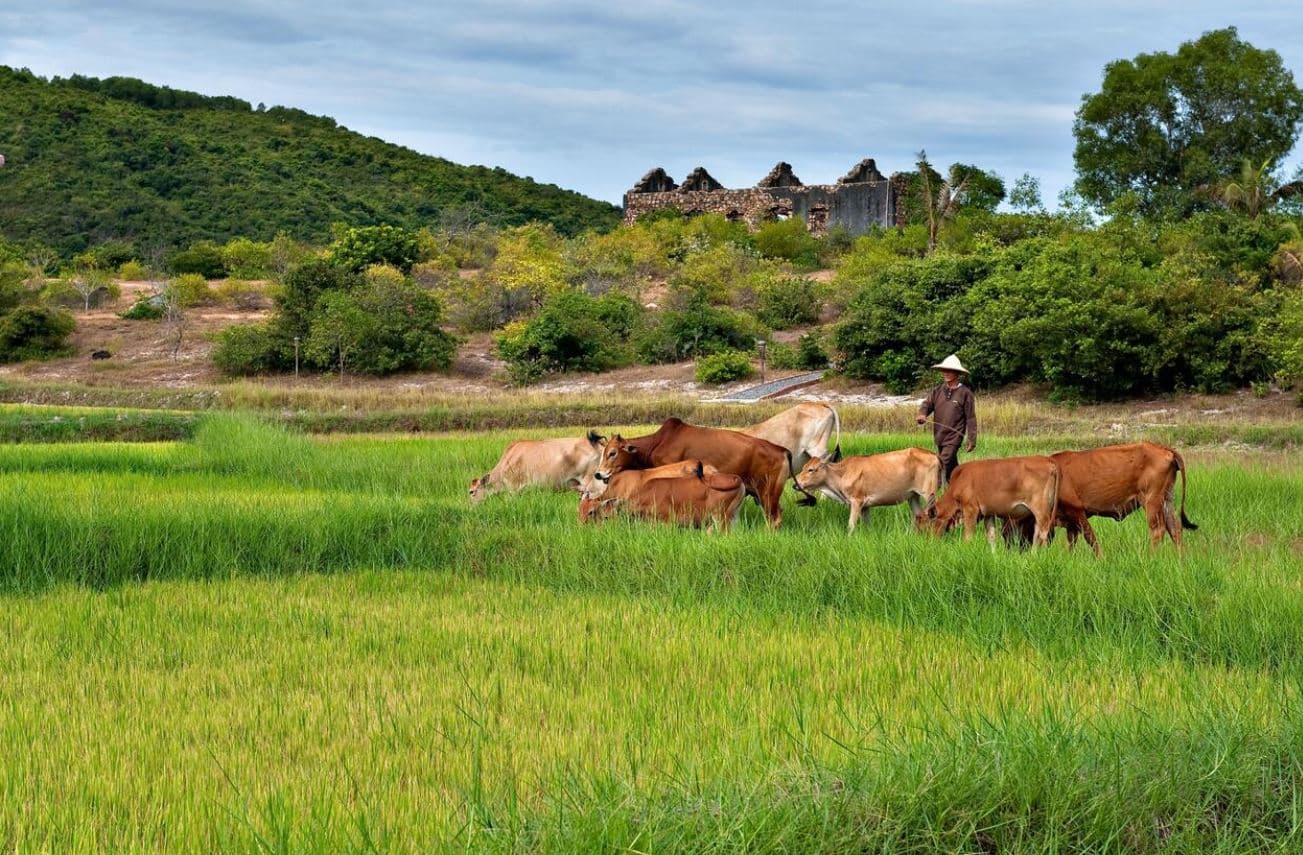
[{"x": 90, "y": 160}]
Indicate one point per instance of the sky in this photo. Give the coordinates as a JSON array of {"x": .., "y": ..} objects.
[{"x": 590, "y": 94}]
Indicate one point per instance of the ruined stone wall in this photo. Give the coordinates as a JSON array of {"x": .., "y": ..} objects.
[{"x": 857, "y": 207}]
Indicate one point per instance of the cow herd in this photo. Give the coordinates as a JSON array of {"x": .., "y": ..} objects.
[{"x": 693, "y": 475}]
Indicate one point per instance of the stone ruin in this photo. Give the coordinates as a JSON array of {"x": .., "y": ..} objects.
[{"x": 861, "y": 199}]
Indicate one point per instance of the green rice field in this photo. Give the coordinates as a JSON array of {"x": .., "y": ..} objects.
[{"x": 255, "y": 640}]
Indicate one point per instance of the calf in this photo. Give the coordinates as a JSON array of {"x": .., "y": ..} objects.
[
  {"x": 623, "y": 484},
  {"x": 1010, "y": 488},
  {"x": 558, "y": 464},
  {"x": 909, "y": 475},
  {"x": 694, "y": 500},
  {"x": 763, "y": 467},
  {"x": 1114, "y": 481}
]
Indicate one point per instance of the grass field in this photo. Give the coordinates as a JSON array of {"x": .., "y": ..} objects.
[{"x": 257, "y": 640}]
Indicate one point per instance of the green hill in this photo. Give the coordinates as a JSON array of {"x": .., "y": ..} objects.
[{"x": 90, "y": 160}]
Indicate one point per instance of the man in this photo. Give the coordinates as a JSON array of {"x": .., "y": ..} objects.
[{"x": 950, "y": 404}]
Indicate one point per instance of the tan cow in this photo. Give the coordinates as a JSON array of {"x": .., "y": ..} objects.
[
  {"x": 1009, "y": 488},
  {"x": 696, "y": 500},
  {"x": 556, "y": 464},
  {"x": 876, "y": 480},
  {"x": 806, "y": 431},
  {"x": 1114, "y": 481}
]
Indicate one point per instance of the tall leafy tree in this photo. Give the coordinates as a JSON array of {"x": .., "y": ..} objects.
[{"x": 1165, "y": 124}]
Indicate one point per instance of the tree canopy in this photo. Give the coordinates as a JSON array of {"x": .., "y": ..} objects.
[{"x": 1163, "y": 125}]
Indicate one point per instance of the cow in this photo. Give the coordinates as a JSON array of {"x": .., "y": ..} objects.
[
  {"x": 623, "y": 484},
  {"x": 763, "y": 467},
  {"x": 557, "y": 464},
  {"x": 876, "y": 480},
  {"x": 806, "y": 431},
  {"x": 696, "y": 500},
  {"x": 1114, "y": 481},
  {"x": 1009, "y": 488}
]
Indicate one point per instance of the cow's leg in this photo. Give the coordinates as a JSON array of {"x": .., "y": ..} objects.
[
  {"x": 991, "y": 536},
  {"x": 970, "y": 523},
  {"x": 1157, "y": 526},
  {"x": 773, "y": 504},
  {"x": 1171, "y": 525}
]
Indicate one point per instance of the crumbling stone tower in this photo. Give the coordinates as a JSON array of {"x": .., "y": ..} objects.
[{"x": 861, "y": 199}]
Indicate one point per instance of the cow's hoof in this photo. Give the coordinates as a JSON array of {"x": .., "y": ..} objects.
[{"x": 807, "y": 501}]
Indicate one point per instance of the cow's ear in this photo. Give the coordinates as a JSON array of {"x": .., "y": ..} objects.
[
  {"x": 631, "y": 449},
  {"x": 837, "y": 454}
]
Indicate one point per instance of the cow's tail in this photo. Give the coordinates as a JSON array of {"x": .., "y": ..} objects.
[
  {"x": 791, "y": 469},
  {"x": 837, "y": 426},
  {"x": 1179, "y": 462}
]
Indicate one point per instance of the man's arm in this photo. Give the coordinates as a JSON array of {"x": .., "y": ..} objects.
[
  {"x": 925, "y": 408},
  {"x": 970, "y": 420}
]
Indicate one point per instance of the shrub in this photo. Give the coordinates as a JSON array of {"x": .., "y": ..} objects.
[
  {"x": 247, "y": 259},
  {"x": 717, "y": 272},
  {"x": 202, "y": 258},
  {"x": 240, "y": 293},
  {"x": 724, "y": 367},
  {"x": 149, "y": 309},
  {"x": 357, "y": 248},
  {"x": 531, "y": 259},
  {"x": 189, "y": 289},
  {"x": 788, "y": 240},
  {"x": 781, "y": 356},
  {"x": 246, "y": 350},
  {"x": 809, "y": 354},
  {"x": 34, "y": 332},
  {"x": 1284, "y": 336},
  {"x": 382, "y": 327},
  {"x": 132, "y": 271},
  {"x": 302, "y": 286},
  {"x": 788, "y": 301},
  {"x": 109, "y": 255},
  {"x": 698, "y": 328},
  {"x": 572, "y": 332}
]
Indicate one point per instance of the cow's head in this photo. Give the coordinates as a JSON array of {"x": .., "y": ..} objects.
[
  {"x": 813, "y": 475},
  {"x": 591, "y": 487},
  {"x": 618, "y": 455},
  {"x": 597, "y": 509},
  {"x": 480, "y": 487}
]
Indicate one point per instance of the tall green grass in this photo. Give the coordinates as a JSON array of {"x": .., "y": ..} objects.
[{"x": 261, "y": 640}]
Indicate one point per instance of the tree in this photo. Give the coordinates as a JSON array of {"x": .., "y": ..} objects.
[
  {"x": 358, "y": 248},
  {"x": 90, "y": 282},
  {"x": 1254, "y": 189},
  {"x": 940, "y": 200},
  {"x": 1163, "y": 125},
  {"x": 1026, "y": 193}
]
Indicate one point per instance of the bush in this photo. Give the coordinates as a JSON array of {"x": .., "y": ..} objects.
[
  {"x": 132, "y": 271},
  {"x": 246, "y": 350},
  {"x": 202, "y": 258},
  {"x": 809, "y": 354},
  {"x": 109, "y": 255},
  {"x": 724, "y": 367},
  {"x": 1284, "y": 336},
  {"x": 189, "y": 289},
  {"x": 788, "y": 240},
  {"x": 358, "y": 248},
  {"x": 240, "y": 294},
  {"x": 34, "y": 332},
  {"x": 696, "y": 329},
  {"x": 789, "y": 301},
  {"x": 247, "y": 259},
  {"x": 149, "y": 309},
  {"x": 572, "y": 332},
  {"x": 382, "y": 327},
  {"x": 302, "y": 286}
]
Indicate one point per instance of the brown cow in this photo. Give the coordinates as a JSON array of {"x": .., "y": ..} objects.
[
  {"x": 876, "y": 480},
  {"x": 1114, "y": 481},
  {"x": 1009, "y": 488},
  {"x": 621, "y": 485},
  {"x": 558, "y": 464},
  {"x": 763, "y": 467},
  {"x": 693, "y": 500}
]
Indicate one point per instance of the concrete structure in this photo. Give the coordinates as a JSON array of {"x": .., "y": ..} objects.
[{"x": 861, "y": 199}]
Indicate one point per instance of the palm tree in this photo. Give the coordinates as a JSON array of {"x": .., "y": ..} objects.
[
  {"x": 1254, "y": 190},
  {"x": 941, "y": 201}
]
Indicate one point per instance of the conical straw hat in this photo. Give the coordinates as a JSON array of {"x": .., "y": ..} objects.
[{"x": 952, "y": 363}]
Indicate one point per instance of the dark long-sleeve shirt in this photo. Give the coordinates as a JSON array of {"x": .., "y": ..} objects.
[{"x": 953, "y": 414}]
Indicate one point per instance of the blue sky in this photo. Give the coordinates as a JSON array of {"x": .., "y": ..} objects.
[{"x": 589, "y": 95}]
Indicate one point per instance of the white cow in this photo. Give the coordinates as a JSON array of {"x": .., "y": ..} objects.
[
  {"x": 557, "y": 464},
  {"x": 806, "y": 431}
]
